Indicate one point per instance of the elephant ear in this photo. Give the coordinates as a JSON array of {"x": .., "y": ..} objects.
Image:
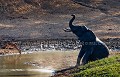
[
  {"x": 84, "y": 28},
  {"x": 88, "y": 36}
]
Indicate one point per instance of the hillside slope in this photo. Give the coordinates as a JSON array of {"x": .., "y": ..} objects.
[
  {"x": 47, "y": 18},
  {"x": 108, "y": 67}
]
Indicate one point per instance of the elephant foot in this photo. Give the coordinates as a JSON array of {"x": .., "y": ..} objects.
[{"x": 77, "y": 65}]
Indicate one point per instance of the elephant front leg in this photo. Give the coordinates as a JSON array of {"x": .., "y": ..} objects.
[
  {"x": 78, "y": 62},
  {"x": 81, "y": 53},
  {"x": 86, "y": 56}
]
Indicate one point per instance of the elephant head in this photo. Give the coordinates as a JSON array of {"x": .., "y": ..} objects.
[{"x": 82, "y": 32}]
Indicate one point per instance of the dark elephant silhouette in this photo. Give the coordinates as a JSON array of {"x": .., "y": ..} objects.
[{"x": 92, "y": 48}]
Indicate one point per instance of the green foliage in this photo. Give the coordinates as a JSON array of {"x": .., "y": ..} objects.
[
  {"x": 109, "y": 67},
  {"x": 101, "y": 71}
]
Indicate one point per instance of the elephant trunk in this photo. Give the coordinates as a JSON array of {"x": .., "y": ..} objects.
[
  {"x": 71, "y": 21},
  {"x": 72, "y": 27}
]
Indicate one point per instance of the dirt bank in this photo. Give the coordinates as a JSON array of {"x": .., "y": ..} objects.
[{"x": 49, "y": 18}]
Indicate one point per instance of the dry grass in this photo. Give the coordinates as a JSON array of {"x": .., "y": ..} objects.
[
  {"x": 114, "y": 53},
  {"x": 8, "y": 51}
]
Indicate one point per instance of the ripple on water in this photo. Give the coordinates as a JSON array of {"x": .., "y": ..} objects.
[
  {"x": 16, "y": 72},
  {"x": 37, "y": 70}
]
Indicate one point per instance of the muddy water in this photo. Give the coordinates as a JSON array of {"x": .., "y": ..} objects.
[{"x": 37, "y": 64}]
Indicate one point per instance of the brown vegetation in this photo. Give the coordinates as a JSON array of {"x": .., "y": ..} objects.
[
  {"x": 14, "y": 7},
  {"x": 10, "y": 48}
]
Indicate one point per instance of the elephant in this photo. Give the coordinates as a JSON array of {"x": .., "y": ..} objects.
[{"x": 92, "y": 47}]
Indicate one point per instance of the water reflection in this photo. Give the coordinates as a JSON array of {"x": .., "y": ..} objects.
[{"x": 38, "y": 64}]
